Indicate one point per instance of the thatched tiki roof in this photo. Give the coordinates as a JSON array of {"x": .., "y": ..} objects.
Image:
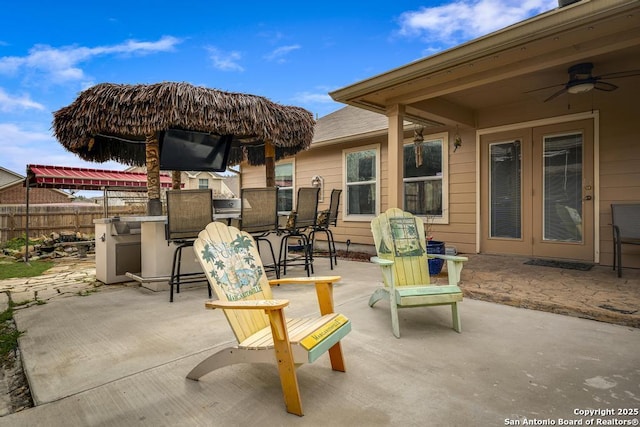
[{"x": 116, "y": 122}]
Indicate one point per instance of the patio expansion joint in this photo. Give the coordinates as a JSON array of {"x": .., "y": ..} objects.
[{"x": 207, "y": 350}]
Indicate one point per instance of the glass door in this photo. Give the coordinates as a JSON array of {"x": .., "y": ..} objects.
[
  {"x": 563, "y": 191},
  {"x": 537, "y": 191},
  {"x": 505, "y": 177}
]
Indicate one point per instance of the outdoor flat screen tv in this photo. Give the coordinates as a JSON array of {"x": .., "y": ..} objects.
[{"x": 182, "y": 150}]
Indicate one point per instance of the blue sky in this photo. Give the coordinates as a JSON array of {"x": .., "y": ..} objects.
[{"x": 293, "y": 53}]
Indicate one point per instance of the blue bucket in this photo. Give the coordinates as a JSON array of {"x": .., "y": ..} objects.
[{"x": 435, "y": 247}]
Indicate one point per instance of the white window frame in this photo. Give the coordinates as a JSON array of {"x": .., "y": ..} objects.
[
  {"x": 203, "y": 181},
  {"x": 376, "y": 181},
  {"x": 444, "y": 137}
]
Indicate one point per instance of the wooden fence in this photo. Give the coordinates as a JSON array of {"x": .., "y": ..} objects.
[{"x": 45, "y": 219}]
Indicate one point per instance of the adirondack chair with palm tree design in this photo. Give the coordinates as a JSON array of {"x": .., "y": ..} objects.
[
  {"x": 401, "y": 247},
  {"x": 231, "y": 261}
]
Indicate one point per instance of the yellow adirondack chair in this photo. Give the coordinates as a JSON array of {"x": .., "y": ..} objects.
[
  {"x": 231, "y": 261},
  {"x": 401, "y": 248}
]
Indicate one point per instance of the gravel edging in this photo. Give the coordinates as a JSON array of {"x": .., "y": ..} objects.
[{"x": 15, "y": 394}]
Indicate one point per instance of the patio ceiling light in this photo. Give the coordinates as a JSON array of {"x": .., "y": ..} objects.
[{"x": 581, "y": 87}]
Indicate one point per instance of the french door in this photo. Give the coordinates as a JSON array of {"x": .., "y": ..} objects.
[{"x": 537, "y": 191}]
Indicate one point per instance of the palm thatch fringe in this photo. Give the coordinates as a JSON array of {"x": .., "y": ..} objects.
[{"x": 109, "y": 121}]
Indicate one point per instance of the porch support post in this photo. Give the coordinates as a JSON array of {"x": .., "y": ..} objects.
[{"x": 395, "y": 155}]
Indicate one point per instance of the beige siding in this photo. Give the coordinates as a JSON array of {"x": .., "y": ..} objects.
[
  {"x": 461, "y": 230},
  {"x": 619, "y": 172},
  {"x": 327, "y": 161}
]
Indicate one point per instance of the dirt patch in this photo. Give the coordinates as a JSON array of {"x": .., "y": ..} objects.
[
  {"x": 15, "y": 395},
  {"x": 354, "y": 256}
]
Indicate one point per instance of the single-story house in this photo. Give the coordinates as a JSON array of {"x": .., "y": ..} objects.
[
  {"x": 517, "y": 142},
  {"x": 222, "y": 186},
  {"x": 13, "y": 191}
]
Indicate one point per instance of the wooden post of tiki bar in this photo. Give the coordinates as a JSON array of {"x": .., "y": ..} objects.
[
  {"x": 175, "y": 180},
  {"x": 270, "y": 163},
  {"x": 154, "y": 205}
]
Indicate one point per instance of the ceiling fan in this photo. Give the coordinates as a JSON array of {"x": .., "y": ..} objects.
[{"x": 581, "y": 80}]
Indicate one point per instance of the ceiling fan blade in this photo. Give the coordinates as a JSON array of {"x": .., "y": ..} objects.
[
  {"x": 543, "y": 88},
  {"x": 607, "y": 87},
  {"x": 557, "y": 94},
  {"x": 628, "y": 73}
]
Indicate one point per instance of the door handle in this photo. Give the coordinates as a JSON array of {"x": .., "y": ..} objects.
[{"x": 587, "y": 197}]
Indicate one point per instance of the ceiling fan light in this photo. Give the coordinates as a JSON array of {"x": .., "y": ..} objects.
[{"x": 581, "y": 87}]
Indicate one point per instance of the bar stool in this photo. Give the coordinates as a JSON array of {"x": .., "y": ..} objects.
[
  {"x": 300, "y": 220},
  {"x": 325, "y": 220},
  {"x": 259, "y": 217},
  {"x": 188, "y": 213}
]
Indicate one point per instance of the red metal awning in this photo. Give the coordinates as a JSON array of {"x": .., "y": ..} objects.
[{"x": 89, "y": 179}]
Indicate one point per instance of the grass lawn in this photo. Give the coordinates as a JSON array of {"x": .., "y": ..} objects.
[{"x": 21, "y": 269}]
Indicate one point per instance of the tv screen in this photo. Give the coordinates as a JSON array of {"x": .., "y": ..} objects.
[{"x": 182, "y": 150}]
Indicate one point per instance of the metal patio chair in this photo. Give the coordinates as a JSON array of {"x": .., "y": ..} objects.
[{"x": 625, "y": 220}]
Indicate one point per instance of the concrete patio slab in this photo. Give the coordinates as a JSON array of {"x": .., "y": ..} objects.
[{"x": 120, "y": 356}]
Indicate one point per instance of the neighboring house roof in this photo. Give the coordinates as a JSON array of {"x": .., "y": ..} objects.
[
  {"x": 8, "y": 177},
  {"x": 196, "y": 174},
  {"x": 10, "y": 184},
  {"x": 190, "y": 174},
  {"x": 347, "y": 122}
]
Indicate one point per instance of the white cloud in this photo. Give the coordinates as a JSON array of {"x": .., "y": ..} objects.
[
  {"x": 272, "y": 36},
  {"x": 310, "y": 97},
  {"x": 21, "y": 146},
  {"x": 467, "y": 19},
  {"x": 225, "y": 61},
  {"x": 10, "y": 103},
  {"x": 62, "y": 64},
  {"x": 279, "y": 54},
  {"x": 12, "y": 135}
]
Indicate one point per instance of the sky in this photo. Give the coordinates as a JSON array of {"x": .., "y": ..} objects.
[{"x": 291, "y": 52}]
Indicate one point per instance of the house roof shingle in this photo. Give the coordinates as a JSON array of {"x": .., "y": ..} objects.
[{"x": 348, "y": 122}]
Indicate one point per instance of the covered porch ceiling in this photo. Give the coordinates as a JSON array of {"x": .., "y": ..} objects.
[{"x": 502, "y": 68}]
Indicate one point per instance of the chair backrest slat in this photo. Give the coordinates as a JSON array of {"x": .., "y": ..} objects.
[
  {"x": 188, "y": 212},
  {"x": 231, "y": 261},
  {"x": 399, "y": 237}
]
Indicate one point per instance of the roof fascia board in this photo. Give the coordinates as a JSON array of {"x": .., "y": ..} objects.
[
  {"x": 350, "y": 138},
  {"x": 408, "y": 126}
]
